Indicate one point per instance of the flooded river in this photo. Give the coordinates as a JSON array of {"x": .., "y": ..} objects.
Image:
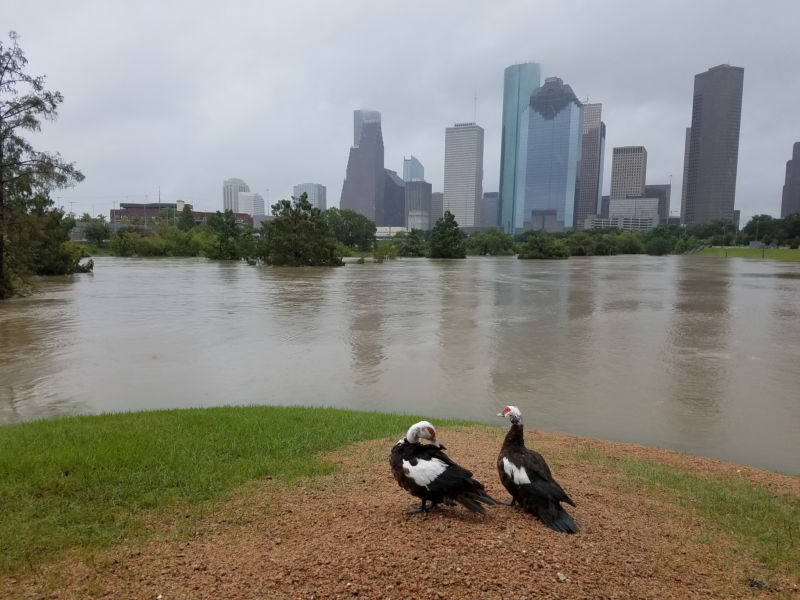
[{"x": 700, "y": 355}]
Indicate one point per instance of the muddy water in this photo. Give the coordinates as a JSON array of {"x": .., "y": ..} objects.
[{"x": 698, "y": 355}]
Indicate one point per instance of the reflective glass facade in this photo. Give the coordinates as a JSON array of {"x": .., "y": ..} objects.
[
  {"x": 790, "y": 202},
  {"x": 554, "y": 136},
  {"x": 520, "y": 81},
  {"x": 364, "y": 184}
]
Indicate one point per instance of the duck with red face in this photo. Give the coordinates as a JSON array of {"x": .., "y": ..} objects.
[
  {"x": 526, "y": 476},
  {"x": 426, "y": 472}
]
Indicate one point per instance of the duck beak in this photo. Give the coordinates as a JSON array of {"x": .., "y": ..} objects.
[
  {"x": 436, "y": 443},
  {"x": 500, "y": 415}
]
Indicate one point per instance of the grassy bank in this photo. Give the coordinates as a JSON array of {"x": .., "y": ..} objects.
[
  {"x": 774, "y": 254},
  {"x": 763, "y": 525},
  {"x": 95, "y": 481}
]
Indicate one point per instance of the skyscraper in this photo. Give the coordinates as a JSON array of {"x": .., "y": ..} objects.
[
  {"x": 360, "y": 117},
  {"x": 418, "y": 205},
  {"x": 491, "y": 209},
  {"x": 519, "y": 82},
  {"x": 394, "y": 201},
  {"x": 714, "y": 145},
  {"x": 591, "y": 173},
  {"x": 685, "y": 173},
  {"x": 413, "y": 169},
  {"x": 317, "y": 194},
  {"x": 790, "y": 203},
  {"x": 251, "y": 203},
  {"x": 230, "y": 193},
  {"x": 662, "y": 191},
  {"x": 463, "y": 173},
  {"x": 628, "y": 171},
  {"x": 365, "y": 181},
  {"x": 554, "y": 136},
  {"x": 437, "y": 207}
]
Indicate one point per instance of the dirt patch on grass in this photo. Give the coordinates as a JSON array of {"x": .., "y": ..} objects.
[{"x": 347, "y": 536}]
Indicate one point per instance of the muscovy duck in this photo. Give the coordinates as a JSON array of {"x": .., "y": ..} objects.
[
  {"x": 429, "y": 474},
  {"x": 527, "y": 477}
]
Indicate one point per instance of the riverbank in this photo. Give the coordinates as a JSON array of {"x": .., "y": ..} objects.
[
  {"x": 771, "y": 253},
  {"x": 322, "y": 517}
]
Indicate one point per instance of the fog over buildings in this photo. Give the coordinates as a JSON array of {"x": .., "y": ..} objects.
[{"x": 141, "y": 111}]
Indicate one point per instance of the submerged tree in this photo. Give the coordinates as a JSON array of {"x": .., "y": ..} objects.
[
  {"x": 28, "y": 176},
  {"x": 298, "y": 236},
  {"x": 447, "y": 241}
]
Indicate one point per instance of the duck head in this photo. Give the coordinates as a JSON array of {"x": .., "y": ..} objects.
[
  {"x": 512, "y": 414},
  {"x": 422, "y": 431}
]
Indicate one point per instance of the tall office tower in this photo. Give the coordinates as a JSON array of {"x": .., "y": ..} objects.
[
  {"x": 251, "y": 203},
  {"x": 661, "y": 191},
  {"x": 365, "y": 181},
  {"x": 590, "y": 180},
  {"x": 394, "y": 201},
  {"x": 437, "y": 207},
  {"x": 685, "y": 174},
  {"x": 418, "y": 205},
  {"x": 714, "y": 144},
  {"x": 316, "y": 193},
  {"x": 519, "y": 82},
  {"x": 554, "y": 136},
  {"x": 628, "y": 171},
  {"x": 463, "y": 173},
  {"x": 491, "y": 209},
  {"x": 359, "y": 118},
  {"x": 230, "y": 193},
  {"x": 413, "y": 169},
  {"x": 790, "y": 203}
]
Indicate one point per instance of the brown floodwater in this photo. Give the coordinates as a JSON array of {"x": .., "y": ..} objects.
[{"x": 700, "y": 355}]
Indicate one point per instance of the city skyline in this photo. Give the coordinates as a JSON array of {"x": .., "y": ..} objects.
[{"x": 140, "y": 112}]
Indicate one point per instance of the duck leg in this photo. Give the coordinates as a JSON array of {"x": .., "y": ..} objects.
[{"x": 417, "y": 509}]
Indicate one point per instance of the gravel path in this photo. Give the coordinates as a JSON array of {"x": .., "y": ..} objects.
[{"x": 347, "y": 536}]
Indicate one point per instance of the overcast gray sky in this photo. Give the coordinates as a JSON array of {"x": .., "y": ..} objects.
[{"x": 181, "y": 95}]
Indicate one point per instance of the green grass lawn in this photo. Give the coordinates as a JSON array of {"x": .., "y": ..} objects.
[
  {"x": 87, "y": 482},
  {"x": 774, "y": 254},
  {"x": 764, "y": 525}
]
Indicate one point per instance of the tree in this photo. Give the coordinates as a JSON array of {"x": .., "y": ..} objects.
[
  {"x": 351, "y": 228},
  {"x": 410, "y": 244},
  {"x": 185, "y": 220},
  {"x": 541, "y": 245},
  {"x": 492, "y": 241},
  {"x": 233, "y": 243},
  {"x": 447, "y": 240},
  {"x": 297, "y": 236},
  {"x": 581, "y": 244},
  {"x": 95, "y": 230},
  {"x": 27, "y": 176}
]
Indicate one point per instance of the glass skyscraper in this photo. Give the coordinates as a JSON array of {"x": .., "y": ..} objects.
[
  {"x": 790, "y": 200},
  {"x": 713, "y": 145},
  {"x": 553, "y": 137},
  {"x": 413, "y": 169},
  {"x": 592, "y": 154},
  {"x": 364, "y": 184},
  {"x": 520, "y": 81}
]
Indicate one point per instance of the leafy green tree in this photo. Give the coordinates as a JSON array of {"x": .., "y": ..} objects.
[
  {"x": 228, "y": 242},
  {"x": 28, "y": 176},
  {"x": 185, "y": 220},
  {"x": 629, "y": 242},
  {"x": 605, "y": 244},
  {"x": 297, "y": 236},
  {"x": 581, "y": 243},
  {"x": 95, "y": 229},
  {"x": 411, "y": 243},
  {"x": 351, "y": 228},
  {"x": 385, "y": 249},
  {"x": 492, "y": 241},
  {"x": 447, "y": 240},
  {"x": 542, "y": 245}
]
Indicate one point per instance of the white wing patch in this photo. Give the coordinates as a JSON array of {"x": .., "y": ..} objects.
[
  {"x": 425, "y": 471},
  {"x": 518, "y": 474}
]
